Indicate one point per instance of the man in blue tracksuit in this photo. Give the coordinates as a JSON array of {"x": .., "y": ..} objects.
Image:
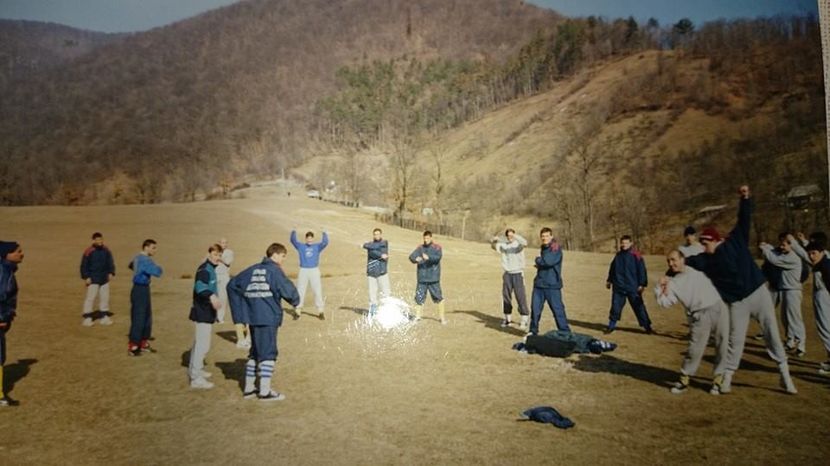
[
  {"x": 547, "y": 286},
  {"x": 309, "y": 253},
  {"x": 627, "y": 275},
  {"x": 427, "y": 257},
  {"x": 10, "y": 256},
  {"x": 97, "y": 269},
  {"x": 203, "y": 313},
  {"x": 141, "y": 309},
  {"x": 255, "y": 296},
  {"x": 740, "y": 282}
]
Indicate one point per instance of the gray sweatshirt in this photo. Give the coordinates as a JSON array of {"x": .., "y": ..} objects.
[
  {"x": 790, "y": 264},
  {"x": 512, "y": 253},
  {"x": 692, "y": 288}
]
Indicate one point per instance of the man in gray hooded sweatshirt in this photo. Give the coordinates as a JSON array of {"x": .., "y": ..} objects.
[{"x": 511, "y": 248}]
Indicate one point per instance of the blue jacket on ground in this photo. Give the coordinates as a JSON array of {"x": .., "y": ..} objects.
[
  {"x": 96, "y": 264},
  {"x": 375, "y": 264},
  {"x": 732, "y": 268},
  {"x": 549, "y": 267},
  {"x": 8, "y": 291},
  {"x": 627, "y": 271},
  {"x": 143, "y": 269},
  {"x": 204, "y": 287},
  {"x": 429, "y": 270},
  {"x": 309, "y": 253},
  {"x": 255, "y": 294}
]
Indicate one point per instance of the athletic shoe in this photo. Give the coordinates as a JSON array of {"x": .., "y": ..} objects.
[
  {"x": 105, "y": 320},
  {"x": 243, "y": 344},
  {"x": 759, "y": 336},
  {"x": 6, "y": 401},
  {"x": 205, "y": 374},
  {"x": 609, "y": 330},
  {"x": 505, "y": 323},
  {"x": 716, "y": 383},
  {"x": 800, "y": 354},
  {"x": 134, "y": 351},
  {"x": 88, "y": 322},
  {"x": 649, "y": 331},
  {"x": 679, "y": 388},
  {"x": 200, "y": 383},
  {"x": 249, "y": 395},
  {"x": 298, "y": 313},
  {"x": 271, "y": 396},
  {"x": 787, "y": 384},
  {"x": 726, "y": 384},
  {"x": 443, "y": 321}
]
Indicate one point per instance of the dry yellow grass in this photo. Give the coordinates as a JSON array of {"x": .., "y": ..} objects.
[{"x": 429, "y": 395}]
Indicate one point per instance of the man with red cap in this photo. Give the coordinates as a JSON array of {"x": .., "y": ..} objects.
[
  {"x": 740, "y": 282},
  {"x": 10, "y": 256}
]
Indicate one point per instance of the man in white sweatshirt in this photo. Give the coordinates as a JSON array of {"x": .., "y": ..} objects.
[
  {"x": 511, "y": 247},
  {"x": 784, "y": 267},
  {"x": 706, "y": 313}
]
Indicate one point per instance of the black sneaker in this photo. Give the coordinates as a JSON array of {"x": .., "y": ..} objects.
[
  {"x": 649, "y": 331},
  {"x": 609, "y": 330},
  {"x": 271, "y": 396},
  {"x": 249, "y": 395},
  {"x": 6, "y": 401}
]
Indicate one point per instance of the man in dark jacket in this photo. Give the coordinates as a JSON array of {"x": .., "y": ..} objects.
[
  {"x": 627, "y": 275},
  {"x": 203, "y": 313},
  {"x": 255, "y": 296},
  {"x": 377, "y": 268},
  {"x": 547, "y": 286},
  {"x": 97, "y": 269},
  {"x": 10, "y": 256},
  {"x": 427, "y": 257},
  {"x": 738, "y": 279}
]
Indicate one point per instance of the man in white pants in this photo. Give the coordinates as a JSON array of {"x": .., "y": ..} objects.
[
  {"x": 377, "y": 270},
  {"x": 740, "y": 283},
  {"x": 97, "y": 269},
  {"x": 203, "y": 313},
  {"x": 309, "y": 253},
  {"x": 706, "y": 313}
]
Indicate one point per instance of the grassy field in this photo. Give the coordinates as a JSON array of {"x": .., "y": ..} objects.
[{"x": 421, "y": 394}]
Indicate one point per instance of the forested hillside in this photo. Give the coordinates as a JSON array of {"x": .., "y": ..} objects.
[{"x": 174, "y": 111}]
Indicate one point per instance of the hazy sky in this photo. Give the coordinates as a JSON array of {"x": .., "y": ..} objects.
[{"x": 138, "y": 15}]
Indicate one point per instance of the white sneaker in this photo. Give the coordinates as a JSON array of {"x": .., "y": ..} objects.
[
  {"x": 88, "y": 322},
  {"x": 205, "y": 374},
  {"x": 201, "y": 383},
  {"x": 271, "y": 396},
  {"x": 105, "y": 320},
  {"x": 443, "y": 321}
]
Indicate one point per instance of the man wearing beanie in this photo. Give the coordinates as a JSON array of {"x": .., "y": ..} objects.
[
  {"x": 10, "y": 256},
  {"x": 738, "y": 279},
  {"x": 692, "y": 246}
]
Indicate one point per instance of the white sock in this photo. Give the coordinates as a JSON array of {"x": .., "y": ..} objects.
[
  {"x": 266, "y": 371},
  {"x": 250, "y": 376}
]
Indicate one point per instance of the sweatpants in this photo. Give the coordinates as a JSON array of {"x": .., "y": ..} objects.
[
  {"x": 141, "y": 314},
  {"x": 791, "y": 318},
  {"x": 513, "y": 283},
  {"x": 103, "y": 294},
  {"x": 382, "y": 283},
  {"x": 759, "y": 306},
  {"x": 312, "y": 276},
  {"x": 713, "y": 320},
  {"x": 222, "y": 292},
  {"x": 618, "y": 298},
  {"x": 553, "y": 297},
  {"x": 201, "y": 346},
  {"x": 821, "y": 308},
  {"x": 434, "y": 292}
]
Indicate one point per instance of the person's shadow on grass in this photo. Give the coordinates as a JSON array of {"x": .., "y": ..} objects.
[
  {"x": 15, "y": 372},
  {"x": 491, "y": 322}
]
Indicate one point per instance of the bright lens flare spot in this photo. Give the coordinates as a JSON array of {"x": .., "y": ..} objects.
[{"x": 392, "y": 313}]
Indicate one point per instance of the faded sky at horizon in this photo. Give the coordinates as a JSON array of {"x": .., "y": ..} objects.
[{"x": 139, "y": 15}]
